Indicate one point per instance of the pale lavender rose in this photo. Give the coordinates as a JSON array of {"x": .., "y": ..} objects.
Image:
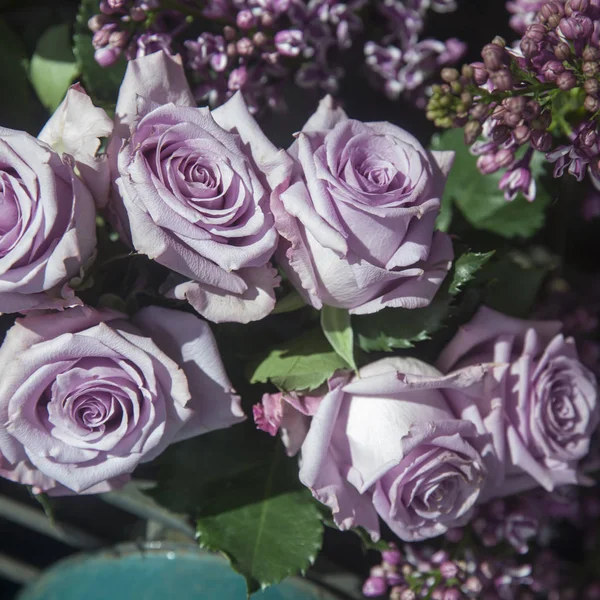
[
  {"x": 387, "y": 444},
  {"x": 542, "y": 410},
  {"x": 86, "y": 395},
  {"x": 76, "y": 129},
  {"x": 192, "y": 191},
  {"x": 47, "y": 224},
  {"x": 357, "y": 222}
]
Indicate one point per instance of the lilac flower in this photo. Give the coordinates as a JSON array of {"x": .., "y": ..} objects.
[
  {"x": 524, "y": 13},
  {"x": 582, "y": 153}
]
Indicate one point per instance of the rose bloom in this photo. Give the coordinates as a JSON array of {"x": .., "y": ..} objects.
[
  {"x": 192, "y": 191},
  {"x": 357, "y": 222},
  {"x": 542, "y": 410},
  {"x": 387, "y": 443},
  {"x": 47, "y": 224},
  {"x": 86, "y": 395}
]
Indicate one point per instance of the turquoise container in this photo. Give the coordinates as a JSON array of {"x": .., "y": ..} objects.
[{"x": 156, "y": 572}]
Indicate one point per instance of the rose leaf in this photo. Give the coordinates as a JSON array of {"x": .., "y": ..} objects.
[
  {"x": 335, "y": 323},
  {"x": 303, "y": 363},
  {"x": 268, "y": 524},
  {"x": 465, "y": 268},
  {"x": 53, "y": 66},
  {"x": 479, "y": 199}
]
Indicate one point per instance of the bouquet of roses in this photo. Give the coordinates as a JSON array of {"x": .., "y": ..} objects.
[{"x": 334, "y": 326}]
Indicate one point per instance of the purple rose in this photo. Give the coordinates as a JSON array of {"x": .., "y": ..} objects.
[
  {"x": 358, "y": 220},
  {"x": 388, "y": 444},
  {"x": 192, "y": 191},
  {"x": 85, "y": 395},
  {"x": 47, "y": 224},
  {"x": 75, "y": 129},
  {"x": 543, "y": 409}
]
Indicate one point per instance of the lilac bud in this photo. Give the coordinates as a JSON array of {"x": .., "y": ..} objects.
[
  {"x": 267, "y": 19},
  {"x": 591, "y": 87},
  {"x": 493, "y": 56},
  {"x": 374, "y": 586},
  {"x": 577, "y": 27},
  {"x": 259, "y": 39},
  {"x": 102, "y": 36},
  {"x": 562, "y": 51},
  {"x": 246, "y": 19},
  {"x": 237, "y": 78},
  {"x": 408, "y": 595},
  {"x": 116, "y": 4},
  {"x": 591, "y": 104},
  {"x": 502, "y": 80},
  {"x": 393, "y": 578},
  {"x": 487, "y": 164},
  {"x": 392, "y": 556},
  {"x": 504, "y": 157},
  {"x": 541, "y": 140},
  {"x": 512, "y": 119},
  {"x": 437, "y": 594},
  {"x": 529, "y": 47},
  {"x": 566, "y": 81},
  {"x": 106, "y": 8},
  {"x": 377, "y": 571},
  {"x": 118, "y": 39},
  {"x": 588, "y": 139},
  {"x": 536, "y": 32},
  {"x": 551, "y": 8},
  {"x": 440, "y": 557},
  {"x": 107, "y": 56},
  {"x": 589, "y": 68},
  {"x": 244, "y": 46},
  {"x": 521, "y": 134},
  {"x": 96, "y": 22},
  {"x": 473, "y": 584},
  {"x": 591, "y": 54},
  {"x": 137, "y": 14},
  {"x": 480, "y": 73},
  {"x": 579, "y": 5},
  {"x": 451, "y": 594},
  {"x": 531, "y": 110},
  {"x": 448, "y": 570},
  {"x": 289, "y": 42},
  {"x": 552, "y": 69}
]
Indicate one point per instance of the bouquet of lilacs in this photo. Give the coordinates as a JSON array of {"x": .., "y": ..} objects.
[{"x": 351, "y": 330}]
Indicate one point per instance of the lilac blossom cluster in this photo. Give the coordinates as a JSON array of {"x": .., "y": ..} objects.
[
  {"x": 247, "y": 45},
  {"x": 517, "y": 99},
  {"x": 473, "y": 562},
  {"x": 402, "y": 63}
]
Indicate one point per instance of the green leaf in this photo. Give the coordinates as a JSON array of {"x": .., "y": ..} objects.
[
  {"x": 479, "y": 199},
  {"x": 53, "y": 67},
  {"x": 101, "y": 83},
  {"x": 401, "y": 328},
  {"x": 303, "y": 363},
  {"x": 290, "y": 302},
  {"x": 335, "y": 323},
  {"x": 17, "y": 106},
  {"x": 513, "y": 283},
  {"x": 277, "y": 533},
  {"x": 465, "y": 269}
]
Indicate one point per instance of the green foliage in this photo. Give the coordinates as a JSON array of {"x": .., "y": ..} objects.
[
  {"x": 479, "y": 199},
  {"x": 466, "y": 267},
  {"x": 335, "y": 323},
  {"x": 247, "y": 500},
  {"x": 53, "y": 67},
  {"x": 303, "y": 363},
  {"x": 16, "y": 106},
  {"x": 512, "y": 282},
  {"x": 101, "y": 83},
  {"x": 401, "y": 328}
]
